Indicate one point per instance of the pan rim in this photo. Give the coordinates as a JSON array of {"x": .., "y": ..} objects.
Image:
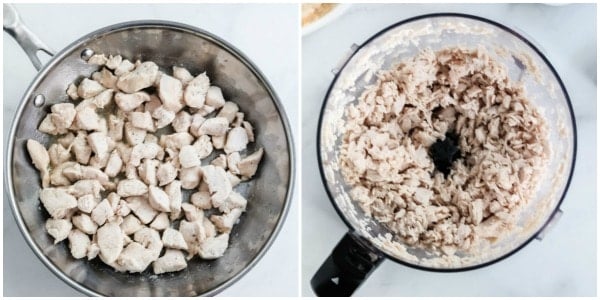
[{"x": 164, "y": 24}]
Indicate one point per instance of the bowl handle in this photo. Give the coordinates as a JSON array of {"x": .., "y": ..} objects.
[
  {"x": 26, "y": 39},
  {"x": 351, "y": 262}
]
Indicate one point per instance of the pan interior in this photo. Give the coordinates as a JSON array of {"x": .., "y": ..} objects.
[
  {"x": 167, "y": 45},
  {"x": 405, "y": 40}
]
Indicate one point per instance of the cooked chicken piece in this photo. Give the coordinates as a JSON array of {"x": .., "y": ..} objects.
[
  {"x": 195, "y": 92},
  {"x": 115, "y": 128},
  {"x": 235, "y": 200},
  {"x": 63, "y": 115},
  {"x": 147, "y": 171},
  {"x": 220, "y": 161},
  {"x": 191, "y": 232},
  {"x": 47, "y": 126},
  {"x": 213, "y": 247},
  {"x": 190, "y": 177},
  {"x": 192, "y": 213},
  {"x": 103, "y": 99},
  {"x": 171, "y": 261},
  {"x": 163, "y": 117},
  {"x": 142, "y": 209},
  {"x": 145, "y": 150},
  {"x": 40, "y": 158},
  {"x": 97, "y": 59},
  {"x": 57, "y": 202},
  {"x": 170, "y": 92},
  {"x": 166, "y": 173},
  {"x": 114, "y": 164},
  {"x": 161, "y": 222},
  {"x": 72, "y": 91},
  {"x": 218, "y": 184},
  {"x": 176, "y": 140},
  {"x": 131, "y": 172},
  {"x": 114, "y": 62},
  {"x": 150, "y": 239},
  {"x": 182, "y": 121},
  {"x": 102, "y": 212},
  {"x": 188, "y": 157},
  {"x": 57, "y": 177},
  {"x": 249, "y": 130},
  {"x": 58, "y": 154},
  {"x": 233, "y": 159},
  {"x": 173, "y": 190},
  {"x": 182, "y": 74},
  {"x": 124, "y": 68},
  {"x": 249, "y": 164},
  {"x": 158, "y": 199},
  {"x": 218, "y": 142},
  {"x": 228, "y": 111},
  {"x": 93, "y": 251},
  {"x": 106, "y": 78},
  {"x": 201, "y": 200},
  {"x": 209, "y": 228},
  {"x": 84, "y": 223},
  {"x": 86, "y": 186},
  {"x": 135, "y": 258},
  {"x": 142, "y": 121},
  {"x": 87, "y": 119},
  {"x": 58, "y": 228},
  {"x": 134, "y": 136},
  {"x": 75, "y": 172},
  {"x": 130, "y": 225},
  {"x": 87, "y": 203},
  {"x": 214, "y": 97},
  {"x": 205, "y": 110},
  {"x": 81, "y": 149},
  {"x": 129, "y": 102},
  {"x": 239, "y": 119},
  {"x": 237, "y": 139},
  {"x": 78, "y": 242},
  {"x": 110, "y": 241},
  {"x": 172, "y": 238},
  {"x": 195, "y": 124},
  {"x": 113, "y": 200},
  {"x": 122, "y": 209},
  {"x": 131, "y": 187},
  {"x": 124, "y": 151},
  {"x": 99, "y": 143},
  {"x": 214, "y": 127},
  {"x": 89, "y": 88},
  {"x": 226, "y": 221},
  {"x": 234, "y": 180},
  {"x": 203, "y": 146}
]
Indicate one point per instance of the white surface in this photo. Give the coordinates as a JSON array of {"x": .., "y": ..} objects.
[
  {"x": 274, "y": 49},
  {"x": 564, "y": 263}
]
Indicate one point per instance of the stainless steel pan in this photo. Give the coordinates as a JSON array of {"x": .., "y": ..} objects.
[{"x": 167, "y": 44}]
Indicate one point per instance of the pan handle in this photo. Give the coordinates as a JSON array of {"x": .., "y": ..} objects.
[
  {"x": 350, "y": 263},
  {"x": 28, "y": 41}
]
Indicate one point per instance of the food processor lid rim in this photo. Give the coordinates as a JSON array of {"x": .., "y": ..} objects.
[{"x": 471, "y": 17}]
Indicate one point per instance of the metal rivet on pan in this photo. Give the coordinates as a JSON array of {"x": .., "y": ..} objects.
[
  {"x": 87, "y": 53},
  {"x": 39, "y": 100}
]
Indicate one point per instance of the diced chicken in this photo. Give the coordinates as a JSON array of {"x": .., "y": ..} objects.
[
  {"x": 84, "y": 223},
  {"x": 89, "y": 88},
  {"x": 142, "y": 209},
  {"x": 220, "y": 161},
  {"x": 130, "y": 225},
  {"x": 170, "y": 92},
  {"x": 166, "y": 174},
  {"x": 63, "y": 115},
  {"x": 81, "y": 149},
  {"x": 72, "y": 91},
  {"x": 150, "y": 239},
  {"x": 188, "y": 157},
  {"x": 57, "y": 177},
  {"x": 122, "y": 209},
  {"x": 103, "y": 99},
  {"x": 218, "y": 184},
  {"x": 106, "y": 78},
  {"x": 248, "y": 165},
  {"x": 142, "y": 120},
  {"x": 135, "y": 258},
  {"x": 182, "y": 74},
  {"x": 163, "y": 117},
  {"x": 158, "y": 199},
  {"x": 57, "y": 202},
  {"x": 87, "y": 203},
  {"x": 239, "y": 119},
  {"x": 195, "y": 123},
  {"x": 86, "y": 186},
  {"x": 147, "y": 171},
  {"x": 234, "y": 180},
  {"x": 47, "y": 126},
  {"x": 110, "y": 241},
  {"x": 249, "y": 130},
  {"x": 144, "y": 151},
  {"x": 214, "y": 247},
  {"x": 226, "y": 221},
  {"x": 214, "y": 97},
  {"x": 232, "y": 160},
  {"x": 79, "y": 243},
  {"x": 124, "y": 68},
  {"x": 102, "y": 212},
  {"x": 172, "y": 238},
  {"x": 93, "y": 251},
  {"x": 173, "y": 190},
  {"x": 114, "y": 164},
  {"x": 161, "y": 222},
  {"x": 191, "y": 232},
  {"x": 114, "y": 62},
  {"x": 59, "y": 229},
  {"x": 203, "y": 146},
  {"x": 209, "y": 228},
  {"x": 205, "y": 110},
  {"x": 115, "y": 128},
  {"x": 58, "y": 154},
  {"x": 129, "y": 102},
  {"x": 134, "y": 136},
  {"x": 171, "y": 261},
  {"x": 218, "y": 142},
  {"x": 99, "y": 143},
  {"x": 214, "y": 127},
  {"x": 195, "y": 92},
  {"x": 131, "y": 187},
  {"x": 41, "y": 160},
  {"x": 201, "y": 200},
  {"x": 97, "y": 59},
  {"x": 182, "y": 121},
  {"x": 192, "y": 213},
  {"x": 190, "y": 177},
  {"x": 87, "y": 119},
  {"x": 176, "y": 140},
  {"x": 235, "y": 200},
  {"x": 228, "y": 111}
]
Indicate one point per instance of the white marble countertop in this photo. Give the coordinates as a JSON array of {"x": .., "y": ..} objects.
[
  {"x": 564, "y": 263},
  {"x": 274, "y": 49}
]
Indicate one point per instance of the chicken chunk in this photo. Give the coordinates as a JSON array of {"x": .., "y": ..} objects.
[
  {"x": 97, "y": 59},
  {"x": 89, "y": 88},
  {"x": 182, "y": 74},
  {"x": 190, "y": 177},
  {"x": 213, "y": 247},
  {"x": 57, "y": 202},
  {"x": 135, "y": 258},
  {"x": 79, "y": 243},
  {"x": 176, "y": 140},
  {"x": 235, "y": 200},
  {"x": 226, "y": 221},
  {"x": 102, "y": 212},
  {"x": 218, "y": 184},
  {"x": 228, "y": 111},
  {"x": 237, "y": 139},
  {"x": 142, "y": 77},
  {"x": 142, "y": 209},
  {"x": 47, "y": 126},
  {"x": 110, "y": 242},
  {"x": 114, "y": 164},
  {"x": 248, "y": 165},
  {"x": 214, "y": 97},
  {"x": 41, "y": 160},
  {"x": 72, "y": 92},
  {"x": 171, "y": 261},
  {"x": 125, "y": 67},
  {"x": 150, "y": 239},
  {"x": 106, "y": 78},
  {"x": 131, "y": 187},
  {"x": 182, "y": 121},
  {"x": 147, "y": 171},
  {"x": 87, "y": 119},
  {"x": 218, "y": 142},
  {"x": 93, "y": 251},
  {"x": 58, "y": 154},
  {"x": 84, "y": 223},
  {"x": 203, "y": 146},
  {"x": 158, "y": 199},
  {"x": 86, "y": 186},
  {"x": 161, "y": 222},
  {"x": 115, "y": 128},
  {"x": 195, "y": 92},
  {"x": 63, "y": 115},
  {"x": 214, "y": 127},
  {"x": 114, "y": 62},
  {"x": 220, "y": 161},
  {"x": 144, "y": 151},
  {"x": 99, "y": 143},
  {"x": 166, "y": 173},
  {"x": 201, "y": 199},
  {"x": 249, "y": 130},
  {"x": 87, "y": 203},
  {"x": 130, "y": 225},
  {"x": 163, "y": 117},
  {"x": 170, "y": 92},
  {"x": 59, "y": 229},
  {"x": 192, "y": 213},
  {"x": 142, "y": 120},
  {"x": 134, "y": 136},
  {"x": 188, "y": 157},
  {"x": 104, "y": 98},
  {"x": 129, "y": 102},
  {"x": 172, "y": 238},
  {"x": 173, "y": 190}
]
